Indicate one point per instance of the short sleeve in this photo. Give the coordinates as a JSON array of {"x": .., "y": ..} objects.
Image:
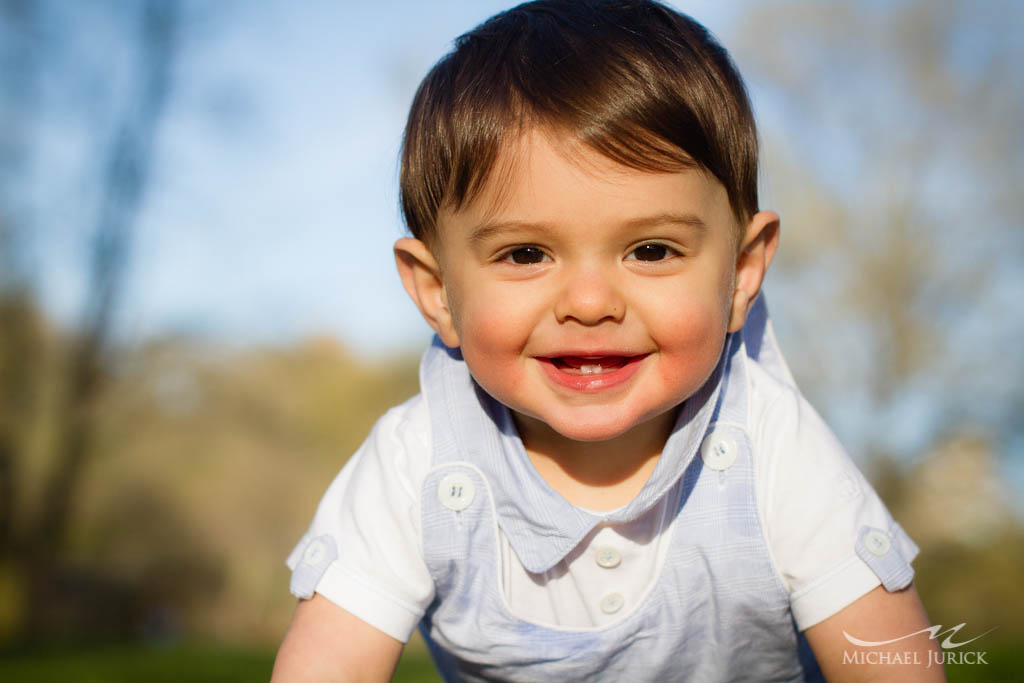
[
  {"x": 362, "y": 550},
  {"x": 831, "y": 537}
]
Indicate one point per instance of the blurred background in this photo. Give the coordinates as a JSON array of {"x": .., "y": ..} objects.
[{"x": 200, "y": 319}]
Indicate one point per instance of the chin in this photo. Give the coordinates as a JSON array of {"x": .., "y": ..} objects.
[{"x": 596, "y": 430}]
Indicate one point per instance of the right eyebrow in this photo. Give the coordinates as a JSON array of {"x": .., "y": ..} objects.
[{"x": 487, "y": 231}]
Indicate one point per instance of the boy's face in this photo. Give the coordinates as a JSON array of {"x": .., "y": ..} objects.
[{"x": 586, "y": 295}]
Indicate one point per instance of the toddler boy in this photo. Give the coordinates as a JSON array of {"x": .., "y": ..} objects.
[{"x": 609, "y": 473}]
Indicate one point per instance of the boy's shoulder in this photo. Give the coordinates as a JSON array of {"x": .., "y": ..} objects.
[
  {"x": 409, "y": 420},
  {"x": 406, "y": 427},
  {"x": 777, "y": 409},
  {"x": 396, "y": 451}
]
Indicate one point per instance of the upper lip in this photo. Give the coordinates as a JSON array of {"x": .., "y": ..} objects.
[{"x": 593, "y": 354}]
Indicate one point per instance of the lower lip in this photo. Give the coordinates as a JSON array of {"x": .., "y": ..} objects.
[{"x": 593, "y": 382}]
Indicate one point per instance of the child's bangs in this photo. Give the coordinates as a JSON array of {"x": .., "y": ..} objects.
[{"x": 631, "y": 88}]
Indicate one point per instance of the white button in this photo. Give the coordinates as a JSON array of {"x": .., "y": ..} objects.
[
  {"x": 316, "y": 553},
  {"x": 612, "y": 603},
  {"x": 877, "y": 542},
  {"x": 607, "y": 557},
  {"x": 718, "y": 451},
  {"x": 456, "y": 491}
]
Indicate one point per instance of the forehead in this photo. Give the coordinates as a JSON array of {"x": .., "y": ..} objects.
[{"x": 544, "y": 177}]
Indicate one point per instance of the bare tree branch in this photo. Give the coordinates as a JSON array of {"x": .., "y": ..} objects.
[{"x": 127, "y": 171}]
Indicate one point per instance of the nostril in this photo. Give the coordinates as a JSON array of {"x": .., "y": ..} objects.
[{"x": 590, "y": 303}]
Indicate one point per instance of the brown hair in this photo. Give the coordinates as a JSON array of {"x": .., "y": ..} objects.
[{"x": 640, "y": 83}]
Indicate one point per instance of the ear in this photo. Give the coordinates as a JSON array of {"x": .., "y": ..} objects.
[
  {"x": 421, "y": 277},
  {"x": 760, "y": 240}
]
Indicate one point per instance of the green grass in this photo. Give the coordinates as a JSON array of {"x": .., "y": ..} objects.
[
  {"x": 1005, "y": 662},
  {"x": 128, "y": 663}
]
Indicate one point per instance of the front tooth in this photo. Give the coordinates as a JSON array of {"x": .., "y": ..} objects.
[{"x": 590, "y": 369}]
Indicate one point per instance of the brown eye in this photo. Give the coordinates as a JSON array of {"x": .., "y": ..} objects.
[
  {"x": 650, "y": 252},
  {"x": 525, "y": 256}
]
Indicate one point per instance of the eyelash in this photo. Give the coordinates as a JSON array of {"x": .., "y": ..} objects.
[
  {"x": 669, "y": 252},
  {"x": 536, "y": 252},
  {"x": 507, "y": 255}
]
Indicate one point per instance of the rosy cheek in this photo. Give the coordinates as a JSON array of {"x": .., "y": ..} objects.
[
  {"x": 488, "y": 330},
  {"x": 491, "y": 344},
  {"x": 690, "y": 348}
]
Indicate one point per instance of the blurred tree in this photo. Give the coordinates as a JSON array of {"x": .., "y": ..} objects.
[
  {"x": 895, "y": 159},
  {"x": 37, "y": 541},
  {"x": 898, "y": 148},
  {"x": 125, "y": 179}
]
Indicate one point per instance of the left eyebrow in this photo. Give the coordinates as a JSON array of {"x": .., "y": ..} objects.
[{"x": 685, "y": 219}]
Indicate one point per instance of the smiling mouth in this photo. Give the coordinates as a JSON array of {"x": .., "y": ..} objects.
[
  {"x": 591, "y": 373},
  {"x": 590, "y": 365}
]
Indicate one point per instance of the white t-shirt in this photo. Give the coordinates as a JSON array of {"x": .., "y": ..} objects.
[{"x": 812, "y": 502}]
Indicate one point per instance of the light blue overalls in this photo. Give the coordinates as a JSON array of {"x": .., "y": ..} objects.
[{"x": 717, "y": 612}]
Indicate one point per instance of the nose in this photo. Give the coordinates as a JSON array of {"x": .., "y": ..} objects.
[{"x": 589, "y": 296}]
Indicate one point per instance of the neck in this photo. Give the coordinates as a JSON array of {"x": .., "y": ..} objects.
[{"x": 597, "y": 475}]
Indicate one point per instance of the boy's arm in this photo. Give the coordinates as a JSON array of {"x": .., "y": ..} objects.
[
  {"x": 326, "y": 643},
  {"x": 878, "y": 616}
]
